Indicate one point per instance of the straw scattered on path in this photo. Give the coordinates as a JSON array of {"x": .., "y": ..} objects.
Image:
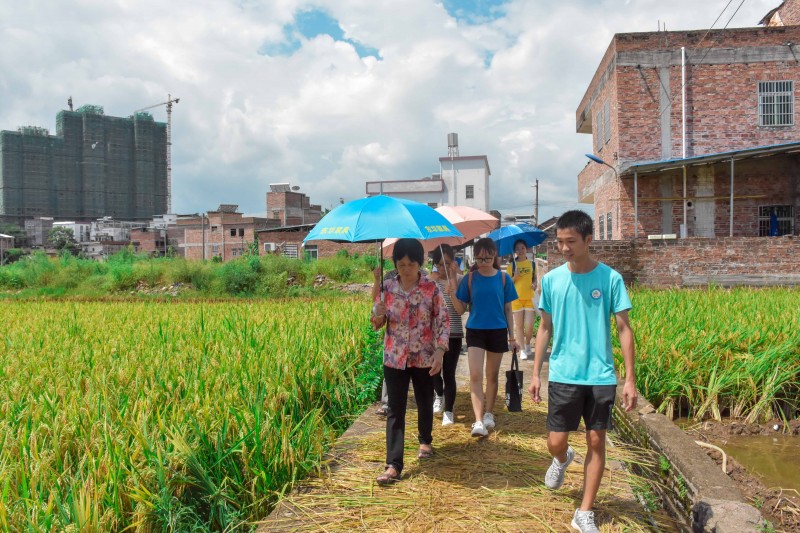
[{"x": 489, "y": 484}]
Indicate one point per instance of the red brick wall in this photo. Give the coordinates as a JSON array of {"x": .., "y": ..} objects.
[
  {"x": 757, "y": 182},
  {"x": 324, "y": 248},
  {"x": 790, "y": 12},
  {"x": 722, "y": 110},
  {"x": 692, "y": 262},
  {"x": 298, "y": 206},
  {"x": 734, "y": 37},
  {"x": 722, "y": 115}
]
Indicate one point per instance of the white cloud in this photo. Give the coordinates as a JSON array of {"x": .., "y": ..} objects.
[{"x": 323, "y": 117}]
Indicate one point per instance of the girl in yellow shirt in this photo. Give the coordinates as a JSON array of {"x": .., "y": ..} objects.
[{"x": 523, "y": 271}]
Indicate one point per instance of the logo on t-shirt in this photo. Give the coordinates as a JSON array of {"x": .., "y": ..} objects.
[{"x": 596, "y": 294}]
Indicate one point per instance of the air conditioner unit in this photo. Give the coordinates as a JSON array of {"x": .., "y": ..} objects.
[{"x": 270, "y": 246}]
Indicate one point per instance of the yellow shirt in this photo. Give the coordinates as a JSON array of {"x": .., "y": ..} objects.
[{"x": 523, "y": 284}]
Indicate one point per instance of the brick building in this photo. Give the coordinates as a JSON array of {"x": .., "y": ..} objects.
[
  {"x": 223, "y": 233},
  {"x": 786, "y": 14},
  {"x": 700, "y": 133},
  {"x": 289, "y": 207}
]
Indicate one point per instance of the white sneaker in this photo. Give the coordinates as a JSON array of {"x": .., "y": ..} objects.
[
  {"x": 555, "y": 474},
  {"x": 437, "y": 404},
  {"x": 523, "y": 354},
  {"x": 478, "y": 430},
  {"x": 488, "y": 421},
  {"x": 447, "y": 418},
  {"x": 583, "y": 521}
]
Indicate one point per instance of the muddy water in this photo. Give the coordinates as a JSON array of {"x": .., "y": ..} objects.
[{"x": 772, "y": 458}]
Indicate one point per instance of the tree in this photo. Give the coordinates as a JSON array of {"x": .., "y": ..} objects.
[
  {"x": 20, "y": 237},
  {"x": 63, "y": 239}
]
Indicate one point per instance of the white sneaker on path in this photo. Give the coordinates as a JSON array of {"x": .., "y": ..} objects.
[
  {"x": 478, "y": 430},
  {"x": 583, "y": 521},
  {"x": 554, "y": 477}
]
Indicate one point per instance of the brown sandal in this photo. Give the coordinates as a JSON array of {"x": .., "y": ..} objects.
[
  {"x": 388, "y": 477},
  {"x": 425, "y": 453},
  {"x": 383, "y": 410}
]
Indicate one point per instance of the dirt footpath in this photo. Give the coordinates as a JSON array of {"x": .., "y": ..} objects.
[{"x": 489, "y": 484}]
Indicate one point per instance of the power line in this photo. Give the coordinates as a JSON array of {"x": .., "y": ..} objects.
[{"x": 689, "y": 59}]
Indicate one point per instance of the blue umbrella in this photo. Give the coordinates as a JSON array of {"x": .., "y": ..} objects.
[
  {"x": 506, "y": 236},
  {"x": 376, "y": 218}
]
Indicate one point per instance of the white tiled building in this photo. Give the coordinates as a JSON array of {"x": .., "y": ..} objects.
[{"x": 461, "y": 180}]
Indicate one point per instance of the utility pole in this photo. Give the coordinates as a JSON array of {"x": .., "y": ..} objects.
[{"x": 536, "y": 205}]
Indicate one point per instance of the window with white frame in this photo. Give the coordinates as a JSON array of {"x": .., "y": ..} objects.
[
  {"x": 775, "y": 220},
  {"x": 608, "y": 226},
  {"x": 470, "y": 194},
  {"x": 236, "y": 252},
  {"x": 776, "y": 103}
]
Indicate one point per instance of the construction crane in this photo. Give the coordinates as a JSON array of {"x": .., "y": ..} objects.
[{"x": 168, "y": 103}]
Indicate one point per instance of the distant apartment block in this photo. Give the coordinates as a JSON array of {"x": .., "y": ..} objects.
[{"x": 95, "y": 166}]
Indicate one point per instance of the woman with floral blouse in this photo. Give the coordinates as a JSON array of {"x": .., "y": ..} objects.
[{"x": 417, "y": 335}]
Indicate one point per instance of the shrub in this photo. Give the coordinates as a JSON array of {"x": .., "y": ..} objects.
[{"x": 238, "y": 277}]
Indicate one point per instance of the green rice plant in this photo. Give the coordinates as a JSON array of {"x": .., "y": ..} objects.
[
  {"x": 172, "y": 416},
  {"x": 722, "y": 352}
]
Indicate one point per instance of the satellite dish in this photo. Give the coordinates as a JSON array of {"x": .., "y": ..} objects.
[{"x": 296, "y": 188}]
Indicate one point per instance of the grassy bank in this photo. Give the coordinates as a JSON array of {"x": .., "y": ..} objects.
[
  {"x": 261, "y": 276},
  {"x": 718, "y": 352},
  {"x": 172, "y": 416}
]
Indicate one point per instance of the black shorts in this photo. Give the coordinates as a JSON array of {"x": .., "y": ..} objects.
[
  {"x": 567, "y": 404},
  {"x": 491, "y": 340}
]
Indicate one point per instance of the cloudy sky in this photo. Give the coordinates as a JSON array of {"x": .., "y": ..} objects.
[{"x": 329, "y": 94}]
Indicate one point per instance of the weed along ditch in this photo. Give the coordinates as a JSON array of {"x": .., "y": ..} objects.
[{"x": 721, "y": 371}]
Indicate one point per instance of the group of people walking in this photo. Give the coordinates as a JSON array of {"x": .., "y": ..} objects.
[{"x": 423, "y": 341}]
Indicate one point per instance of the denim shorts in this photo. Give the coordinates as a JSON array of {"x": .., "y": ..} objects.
[{"x": 567, "y": 404}]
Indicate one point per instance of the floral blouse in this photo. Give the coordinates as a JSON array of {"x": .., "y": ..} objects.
[{"x": 417, "y": 323}]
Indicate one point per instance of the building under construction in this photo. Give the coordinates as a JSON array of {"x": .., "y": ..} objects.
[{"x": 94, "y": 166}]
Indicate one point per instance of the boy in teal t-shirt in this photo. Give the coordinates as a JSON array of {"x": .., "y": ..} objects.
[{"x": 577, "y": 301}]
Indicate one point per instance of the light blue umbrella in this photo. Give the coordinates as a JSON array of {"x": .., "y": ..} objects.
[
  {"x": 376, "y": 218},
  {"x": 506, "y": 236}
]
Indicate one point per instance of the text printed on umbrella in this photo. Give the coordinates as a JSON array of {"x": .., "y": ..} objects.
[
  {"x": 436, "y": 229},
  {"x": 336, "y": 230}
]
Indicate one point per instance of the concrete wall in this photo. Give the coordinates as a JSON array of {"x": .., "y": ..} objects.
[{"x": 726, "y": 261}]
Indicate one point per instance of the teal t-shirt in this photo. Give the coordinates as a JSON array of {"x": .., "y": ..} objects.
[{"x": 581, "y": 306}]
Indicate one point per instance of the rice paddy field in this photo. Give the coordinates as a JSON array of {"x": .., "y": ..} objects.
[
  {"x": 718, "y": 353},
  {"x": 157, "y": 415},
  {"x": 171, "y": 416}
]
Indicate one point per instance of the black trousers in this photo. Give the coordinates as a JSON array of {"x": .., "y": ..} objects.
[
  {"x": 397, "y": 386},
  {"x": 445, "y": 381}
]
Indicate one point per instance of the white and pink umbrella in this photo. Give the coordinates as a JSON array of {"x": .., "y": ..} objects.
[{"x": 469, "y": 221}]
